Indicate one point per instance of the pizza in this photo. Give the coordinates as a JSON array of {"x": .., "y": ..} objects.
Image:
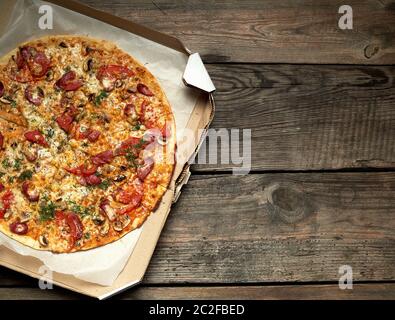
[{"x": 87, "y": 143}]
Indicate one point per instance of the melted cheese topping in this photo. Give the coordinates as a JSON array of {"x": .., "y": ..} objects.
[{"x": 99, "y": 104}]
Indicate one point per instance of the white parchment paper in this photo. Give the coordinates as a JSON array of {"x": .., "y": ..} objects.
[{"x": 101, "y": 265}]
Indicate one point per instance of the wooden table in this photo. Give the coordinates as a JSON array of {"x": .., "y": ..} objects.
[{"x": 321, "y": 105}]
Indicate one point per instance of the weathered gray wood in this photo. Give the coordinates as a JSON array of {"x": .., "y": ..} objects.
[
  {"x": 289, "y": 292},
  {"x": 224, "y": 230},
  {"x": 269, "y": 31},
  {"x": 306, "y": 117}
]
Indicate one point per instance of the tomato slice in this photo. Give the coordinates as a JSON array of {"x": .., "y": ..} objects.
[
  {"x": 92, "y": 180},
  {"x": 91, "y": 134},
  {"x": 36, "y": 137},
  {"x": 60, "y": 217},
  {"x": 83, "y": 170},
  {"x": 114, "y": 71},
  {"x": 103, "y": 157},
  {"x": 125, "y": 209},
  {"x": 129, "y": 145},
  {"x": 132, "y": 194},
  {"x": 65, "y": 121}
]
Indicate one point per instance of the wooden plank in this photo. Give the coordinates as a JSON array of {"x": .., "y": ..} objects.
[
  {"x": 308, "y": 117},
  {"x": 289, "y": 292},
  {"x": 10, "y": 278},
  {"x": 269, "y": 31},
  {"x": 223, "y": 230},
  {"x": 276, "y": 228}
]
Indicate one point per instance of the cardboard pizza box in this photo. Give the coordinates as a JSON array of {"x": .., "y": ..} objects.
[{"x": 196, "y": 76}]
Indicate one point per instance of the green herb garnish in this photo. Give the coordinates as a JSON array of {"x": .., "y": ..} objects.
[
  {"x": 104, "y": 184},
  {"x": 6, "y": 163},
  {"x": 140, "y": 144},
  {"x": 81, "y": 210},
  {"x": 46, "y": 210},
  {"x": 17, "y": 164},
  {"x": 100, "y": 97},
  {"x": 25, "y": 175},
  {"x": 136, "y": 127},
  {"x": 133, "y": 151},
  {"x": 50, "y": 133},
  {"x": 12, "y": 101},
  {"x": 131, "y": 158}
]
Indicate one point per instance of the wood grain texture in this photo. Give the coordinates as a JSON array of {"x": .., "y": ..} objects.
[
  {"x": 288, "y": 292},
  {"x": 223, "y": 230},
  {"x": 308, "y": 117},
  {"x": 269, "y": 31},
  {"x": 234, "y": 236},
  {"x": 275, "y": 228}
]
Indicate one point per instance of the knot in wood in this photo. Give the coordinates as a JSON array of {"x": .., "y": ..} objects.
[{"x": 287, "y": 202}]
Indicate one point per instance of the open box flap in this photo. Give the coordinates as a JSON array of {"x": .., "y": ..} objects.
[{"x": 196, "y": 75}]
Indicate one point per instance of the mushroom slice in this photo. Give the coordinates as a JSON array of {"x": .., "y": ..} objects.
[
  {"x": 5, "y": 101},
  {"x": 49, "y": 76},
  {"x": 119, "y": 83},
  {"x": 88, "y": 65},
  {"x": 117, "y": 226},
  {"x": 121, "y": 223},
  {"x": 104, "y": 229},
  {"x": 43, "y": 241},
  {"x": 98, "y": 220},
  {"x": 8, "y": 214},
  {"x": 25, "y": 216},
  {"x": 119, "y": 178}
]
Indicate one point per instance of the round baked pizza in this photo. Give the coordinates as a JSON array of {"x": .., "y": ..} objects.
[{"x": 87, "y": 143}]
